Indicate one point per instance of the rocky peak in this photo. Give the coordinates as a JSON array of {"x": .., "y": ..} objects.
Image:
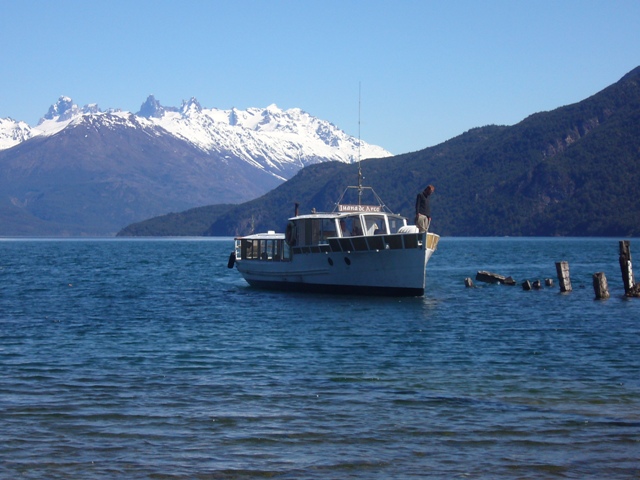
[
  {"x": 151, "y": 108},
  {"x": 91, "y": 108},
  {"x": 190, "y": 106},
  {"x": 63, "y": 109}
]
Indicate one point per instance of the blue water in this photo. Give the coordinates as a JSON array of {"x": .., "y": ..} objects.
[{"x": 151, "y": 359}]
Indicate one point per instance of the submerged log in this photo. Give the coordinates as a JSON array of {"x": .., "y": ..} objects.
[
  {"x": 562, "y": 269},
  {"x": 488, "y": 277}
]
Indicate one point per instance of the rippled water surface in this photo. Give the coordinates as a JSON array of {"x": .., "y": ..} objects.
[{"x": 151, "y": 359}]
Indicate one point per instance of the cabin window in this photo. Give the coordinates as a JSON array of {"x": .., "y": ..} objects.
[
  {"x": 264, "y": 249},
  {"x": 250, "y": 249},
  {"x": 315, "y": 231},
  {"x": 328, "y": 229},
  {"x": 273, "y": 250},
  {"x": 300, "y": 233},
  {"x": 351, "y": 226},
  {"x": 343, "y": 228},
  {"x": 395, "y": 223},
  {"x": 276, "y": 250},
  {"x": 310, "y": 233},
  {"x": 375, "y": 225}
]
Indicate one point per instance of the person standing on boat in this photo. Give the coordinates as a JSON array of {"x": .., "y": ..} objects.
[{"x": 423, "y": 209}]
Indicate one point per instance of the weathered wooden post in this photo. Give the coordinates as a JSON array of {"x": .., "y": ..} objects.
[
  {"x": 562, "y": 269},
  {"x": 625, "y": 266},
  {"x": 537, "y": 285},
  {"x": 468, "y": 282},
  {"x": 526, "y": 285},
  {"x": 600, "y": 286},
  {"x": 548, "y": 282}
]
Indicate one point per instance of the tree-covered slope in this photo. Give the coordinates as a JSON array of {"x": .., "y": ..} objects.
[{"x": 572, "y": 171}]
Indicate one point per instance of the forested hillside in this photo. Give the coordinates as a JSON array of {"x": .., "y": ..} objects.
[{"x": 571, "y": 171}]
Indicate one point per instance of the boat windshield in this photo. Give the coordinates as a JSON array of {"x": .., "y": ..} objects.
[
  {"x": 370, "y": 224},
  {"x": 375, "y": 225},
  {"x": 396, "y": 222},
  {"x": 318, "y": 230}
]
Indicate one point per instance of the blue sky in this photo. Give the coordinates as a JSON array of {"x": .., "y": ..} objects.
[{"x": 427, "y": 70}]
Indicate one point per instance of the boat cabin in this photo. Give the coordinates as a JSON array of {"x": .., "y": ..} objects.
[
  {"x": 314, "y": 229},
  {"x": 264, "y": 246},
  {"x": 333, "y": 232}
]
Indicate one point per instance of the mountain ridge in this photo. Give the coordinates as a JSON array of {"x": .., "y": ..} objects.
[
  {"x": 92, "y": 171},
  {"x": 572, "y": 171}
]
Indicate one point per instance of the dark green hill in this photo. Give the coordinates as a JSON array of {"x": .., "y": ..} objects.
[
  {"x": 572, "y": 171},
  {"x": 191, "y": 223}
]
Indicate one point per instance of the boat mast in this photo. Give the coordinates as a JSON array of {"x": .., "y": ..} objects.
[
  {"x": 359, "y": 187},
  {"x": 359, "y": 141}
]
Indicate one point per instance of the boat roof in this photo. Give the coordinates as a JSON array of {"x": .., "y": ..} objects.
[
  {"x": 270, "y": 235},
  {"x": 330, "y": 215}
]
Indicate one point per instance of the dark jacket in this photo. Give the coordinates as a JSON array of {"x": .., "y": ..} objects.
[{"x": 422, "y": 205}]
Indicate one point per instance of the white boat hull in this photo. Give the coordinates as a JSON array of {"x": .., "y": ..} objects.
[{"x": 386, "y": 271}]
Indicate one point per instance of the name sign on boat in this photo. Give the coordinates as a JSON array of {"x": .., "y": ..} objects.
[{"x": 360, "y": 208}]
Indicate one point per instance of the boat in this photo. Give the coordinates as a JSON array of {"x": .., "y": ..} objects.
[{"x": 354, "y": 249}]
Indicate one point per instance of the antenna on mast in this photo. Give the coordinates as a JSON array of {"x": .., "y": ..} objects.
[
  {"x": 381, "y": 206},
  {"x": 359, "y": 141}
]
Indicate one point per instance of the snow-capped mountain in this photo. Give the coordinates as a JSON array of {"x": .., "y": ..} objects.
[
  {"x": 85, "y": 171},
  {"x": 274, "y": 140},
  {"x": 279, "y": 141},
  {"x": 13, "y": 132}
]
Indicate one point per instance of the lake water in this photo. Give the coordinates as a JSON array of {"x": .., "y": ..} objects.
[{"x": 151, "y": 359}]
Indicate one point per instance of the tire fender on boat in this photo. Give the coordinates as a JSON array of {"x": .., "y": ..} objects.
[{"x": 232, "y": 260}]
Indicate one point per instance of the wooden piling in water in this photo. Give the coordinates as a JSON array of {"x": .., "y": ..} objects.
[
  {"x": 626, "y": 267},
  {"x": 468, "y": 282},
  {"x": 600, "y": 286},
  {"x": 562, "y": 269},
  {"x": 529, "y": 285}
]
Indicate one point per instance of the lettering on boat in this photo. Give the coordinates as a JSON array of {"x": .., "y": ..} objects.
[{"x": 360, "y": 208}]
